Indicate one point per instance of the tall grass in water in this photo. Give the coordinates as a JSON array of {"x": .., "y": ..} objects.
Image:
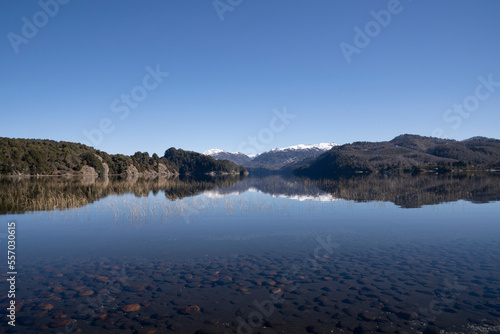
[{"x": 55, "y": 193}]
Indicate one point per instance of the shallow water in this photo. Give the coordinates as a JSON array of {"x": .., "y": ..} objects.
[{"x": 261, "y": 255}]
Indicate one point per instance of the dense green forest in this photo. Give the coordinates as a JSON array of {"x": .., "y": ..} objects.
[
  {"x": 48, "y": 157},
  {"x": 406, "y": 154},
  {"x": 193, "y": 162}
]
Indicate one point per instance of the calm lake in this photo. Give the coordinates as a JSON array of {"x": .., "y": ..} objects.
[{"x": 270, "y": 254}]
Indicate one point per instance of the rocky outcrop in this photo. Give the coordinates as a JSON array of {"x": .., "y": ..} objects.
[
  {"x": 88, "y": 171},
  {"x": 89, "y": 175},
  {"x": 104, "y": 165},
  {"x": 131, "y": 171},
  {"x": 163, "y": 170}
]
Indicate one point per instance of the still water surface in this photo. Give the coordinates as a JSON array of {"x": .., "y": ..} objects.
[{"x": 259, "y": 255}]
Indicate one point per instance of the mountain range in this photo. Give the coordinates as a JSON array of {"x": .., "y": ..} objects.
[
  {"x": 236, "y": 157},
  {"x": 274, "y": 159},
  {"x": 405, "y": 153}
]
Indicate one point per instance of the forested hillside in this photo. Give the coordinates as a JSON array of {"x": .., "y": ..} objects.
[
  {"x": 406, "y": 153},
  {"x": 189, "y": 162},
  {"x": 48, "y": 157}
]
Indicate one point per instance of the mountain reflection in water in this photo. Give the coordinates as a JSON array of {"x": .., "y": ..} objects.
[
  {"x": 19, "y": 195},
  {"x": 408, "y": 254}
]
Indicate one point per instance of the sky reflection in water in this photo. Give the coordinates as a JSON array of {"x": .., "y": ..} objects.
[{"x": 386, "y": 260}]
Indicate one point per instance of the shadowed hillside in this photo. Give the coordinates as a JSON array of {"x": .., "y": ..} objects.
[{"x": 406, "y": 153}]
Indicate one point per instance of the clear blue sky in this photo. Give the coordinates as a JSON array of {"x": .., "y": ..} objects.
[{"x": 227, "y": 76}]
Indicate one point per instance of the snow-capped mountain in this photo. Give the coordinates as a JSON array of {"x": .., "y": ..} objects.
[
  {"x": 214, "y": 151},
  {"x": 282, "y": 157},
  {"x": 236, "y": 157},
  {"x": 319, "y": 147},
  {"x": 274, "y": 159}
]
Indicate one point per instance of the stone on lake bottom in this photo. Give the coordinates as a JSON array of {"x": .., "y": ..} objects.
[
  {"x": 60, "y": 323},
  {"x": 45, "y": 306},
  {"x": 131, "y": 308}
]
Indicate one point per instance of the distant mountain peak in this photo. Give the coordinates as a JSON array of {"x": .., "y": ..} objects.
[
  {"x": 214, "y": 151},
  {"x": 320, "y": 147},
  {"x": 236, "y": 157},
  {"x": 275, "y": 158},
  {"x": 477, "y": 138}
]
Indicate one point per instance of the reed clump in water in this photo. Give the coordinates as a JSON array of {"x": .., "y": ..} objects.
[{"x": 55, "y": 193}]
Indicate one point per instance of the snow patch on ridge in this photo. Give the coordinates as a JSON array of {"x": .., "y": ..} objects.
[
  {"x": 320, "y": 146},
  {"x": 217, "y": 151}
]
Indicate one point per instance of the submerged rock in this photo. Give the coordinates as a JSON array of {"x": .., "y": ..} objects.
[
  {"x": 60, "y": 323},
  {"x": 193, "y": 309},
  {"x": 131, "y": 308},
  {"x": 86, "y": 293},
  {"x": 45, "y": 306}
]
